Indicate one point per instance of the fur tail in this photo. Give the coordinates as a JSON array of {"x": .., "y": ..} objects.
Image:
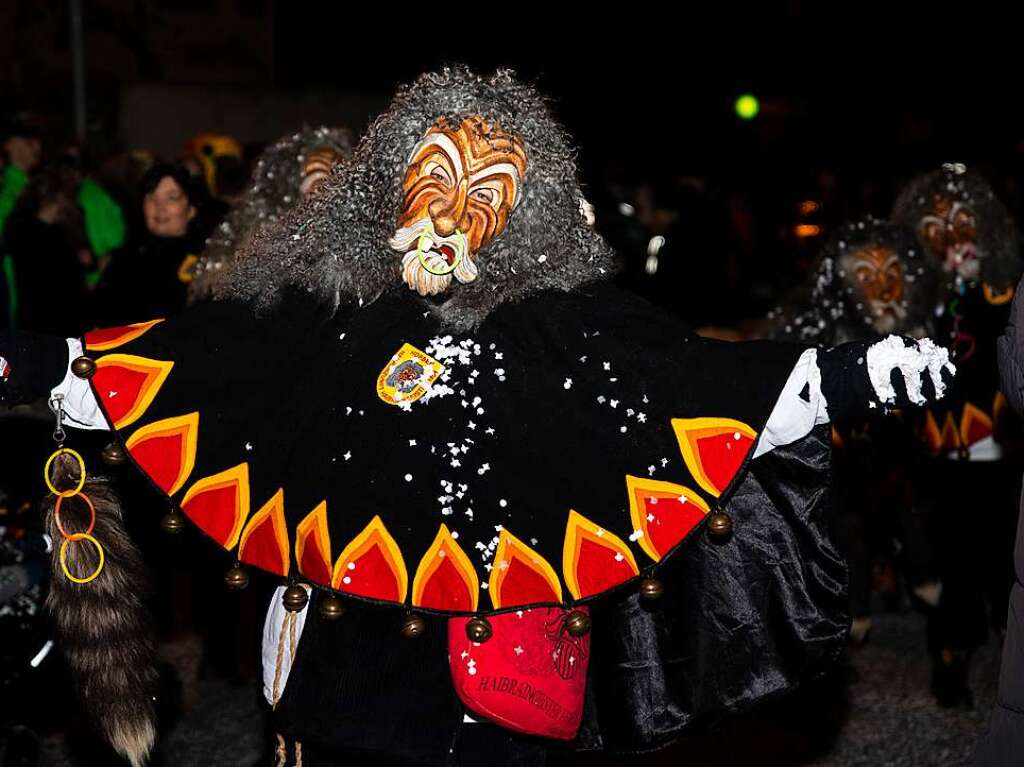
[{"x": 103, "y": 625}]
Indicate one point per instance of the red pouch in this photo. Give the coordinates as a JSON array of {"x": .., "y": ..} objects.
[{"x": 530, "y": 676}]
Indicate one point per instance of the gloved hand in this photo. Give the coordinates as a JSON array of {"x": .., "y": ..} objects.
[
  {"x": 30, "y": 366},
  {"x": 862, "y": 377}
]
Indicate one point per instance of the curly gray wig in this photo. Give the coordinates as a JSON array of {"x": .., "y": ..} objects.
[
  {"x": 997, "y": 241},
  {"x": 273, "y": 189},
  {"x": 831, "y": 309},
  {"x": 334, "y": 246}
]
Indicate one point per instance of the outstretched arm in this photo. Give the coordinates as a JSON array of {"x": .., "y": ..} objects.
[{"x": 855, "y": 379}]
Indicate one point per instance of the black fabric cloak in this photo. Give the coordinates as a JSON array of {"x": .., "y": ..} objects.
[{"x": 574, "y": 444}]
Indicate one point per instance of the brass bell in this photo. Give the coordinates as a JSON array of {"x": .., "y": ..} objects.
[
  {"x": 236, "y": 578},
  {"x": 172, "y": 522},
  {"x": 577, "y": 623},
  {"x": 83, "y": 367},
  {"x": 720, "y": 525},
  {"x": 113, "y": 454},
  {"x": 478, "y": 630},
  {"x": 413, "y": 626},
  {"x": 331, "y": 608},
  {"x": 295, "y": 598},
  {"x": 651, "y": 589}
]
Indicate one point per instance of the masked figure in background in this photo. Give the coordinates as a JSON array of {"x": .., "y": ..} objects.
[
  {"x": 494, "y": 486},
  {"x": 288, "y": 171},
  {"x": 871, "y": 280},
  {"x": 972, "y": 244}
]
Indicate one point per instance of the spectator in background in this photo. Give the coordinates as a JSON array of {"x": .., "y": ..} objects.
[
  {"x": 48, "y": 252},
  {"x": 148, "y": 277},
  {"x": 22, "y": 151}
]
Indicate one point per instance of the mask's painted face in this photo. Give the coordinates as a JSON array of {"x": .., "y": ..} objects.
[
  {"x": 461, "y": 186},
  {"x": 949, "y": 231},
  {"x": 877, "y": 273}
]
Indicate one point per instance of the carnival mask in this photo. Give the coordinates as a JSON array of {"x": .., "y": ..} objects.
[
  {"x": 877, "y": 273},
  {"x": 461, "y": 186},
  {"x": 949, "y": 231}
]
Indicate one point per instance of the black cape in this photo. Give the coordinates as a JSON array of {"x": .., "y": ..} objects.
[{"x": 577, "y": 443}]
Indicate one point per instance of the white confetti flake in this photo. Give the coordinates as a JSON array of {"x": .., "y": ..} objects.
[
  {"x": 408, "y": 477},
  {"x": 636, "y": 535},
  {"x": 619, "y": 557},
  {"x": 623, "y": 429},
  {"x": 347, "y": 455},
  {"x": 471, "y": 425},
  {"x": 412, "y": 443},
  {"x": 541, "y": 258},
  {"x": 346, "y": 580},
  {"x": 650, "y": 469},
  {"x": 568, "y": 384},
  {"x": 601, "y": 399},
  {"x": 518, "y": 650},
  {"x": 351, "y": 566},
  {"x": 641, "y": 417},
  {"x": 455, "y": 535},
  {"x": 348, "y": 411},
  {"x": 503, "y": 503},
  {"x": 614, "y": 403},
  {"x": 248, "y": 445},
  {"x": 605, "y": 365}
]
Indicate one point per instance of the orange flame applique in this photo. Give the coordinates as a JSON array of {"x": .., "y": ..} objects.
[
  {"x": 313, "y": 546},
  {"x": 166, "y": 450},
  {"x": 106, "y": 339},
  {"x": 975, "y": 425},
  {"x": 264, "y": 541},
  {"x": 593, "y": 559},
  {"x": 127, "y": 385},
  {"x": 665, "y": 513},
  {"x": 932, "y": 436},
  {"x": 714, "y": 449},
  {"x": 219, "y": 504},
  {"x": 998, "y": 404},
  {"x": 521, "y": 576},
  {"x": 950, "y": 434},
  {"x": 445, "y": 578},
  {"x": 372, "y": 566}
]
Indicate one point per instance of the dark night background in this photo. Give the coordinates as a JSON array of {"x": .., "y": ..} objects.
[{"x": 855, "y": 98}]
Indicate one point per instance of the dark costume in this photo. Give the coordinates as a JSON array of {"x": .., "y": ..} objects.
[
  {"x": 282, "y": 176},
  {"x": 491, "y": 462},
  {"x": 1004, "y": 741},
  {"x": 972, "y": 242},
  {"x": 871, "y": 279}
]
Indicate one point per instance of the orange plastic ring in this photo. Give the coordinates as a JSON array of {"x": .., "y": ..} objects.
[
  {"x": 81, "y": 474},
  {"x": 64, "y": 554},
  {"x": 92, "y": 512}
]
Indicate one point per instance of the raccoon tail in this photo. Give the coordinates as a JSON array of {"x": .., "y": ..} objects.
[{"x": 103, "y": 625}]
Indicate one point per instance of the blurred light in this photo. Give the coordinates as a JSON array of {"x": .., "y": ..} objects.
[
  {"x": 626, "y": 209},
  {"x": 651, "y": 266},
  {"x": 747, "y": 106},
  {"x": 655, "y": 245},
  {"x": 806, "y": 230},
  {"x": 41, "y": 655},
  {"x": 807, "y": 207}
]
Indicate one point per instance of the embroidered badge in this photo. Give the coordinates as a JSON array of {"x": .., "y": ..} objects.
[{"x": 407, "y": 376}]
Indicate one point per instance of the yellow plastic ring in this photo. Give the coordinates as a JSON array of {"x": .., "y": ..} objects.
[
  {"x": 81, "y": 473},
  {"x": 64, "y": 555},
  {"x": 423, "y": 256}
]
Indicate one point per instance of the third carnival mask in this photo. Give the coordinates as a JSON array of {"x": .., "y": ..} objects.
[
  {"x": 877, "y": 273},
  {"x": 461, "y": 186},
  {"x": 949, "y": 231}
]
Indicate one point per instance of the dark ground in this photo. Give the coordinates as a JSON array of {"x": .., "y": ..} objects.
[{"x": 875, "y": 712}]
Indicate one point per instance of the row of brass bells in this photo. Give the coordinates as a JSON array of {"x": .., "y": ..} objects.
[
  {"x": 236, "y": 578},
  {"x": 651, "y": 589},
  {"x": 479, "y": 630},
  {"x": 720, "y": 525},
  {"x": 83, "y": 367},
  {"x": 413, "y": 626},
  {"x": 331, "y": 608},
  {"x": 113, "y": 454},
  {"x": 295, "y": 598},
  {"x": 173, "y": 522},
  {"x": 577, "y": 623}
]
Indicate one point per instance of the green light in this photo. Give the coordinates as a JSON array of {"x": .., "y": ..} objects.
[{"x": 747, "y": 106}]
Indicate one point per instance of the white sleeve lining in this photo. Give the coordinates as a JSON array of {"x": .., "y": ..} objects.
[
  {"x": 81, "y": 410},
  {"x": 794, "y": 416}
]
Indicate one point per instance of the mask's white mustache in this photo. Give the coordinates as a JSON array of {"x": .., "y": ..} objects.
[{"x": 427, "y": 264}]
